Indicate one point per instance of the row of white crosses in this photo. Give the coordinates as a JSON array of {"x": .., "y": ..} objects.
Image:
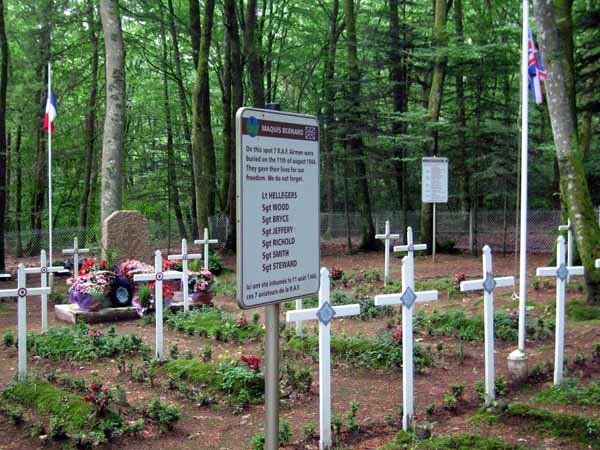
[
  {"x": 184, "y": 256},
  {"x": 409, "y": 247},
  {"x": 407, "y": 298}
]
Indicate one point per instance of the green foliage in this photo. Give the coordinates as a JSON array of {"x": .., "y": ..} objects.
[
  {"x": 578, "y": 428},
  {"x": 210, "y": 321},
  {"x": 581, "y": 311},
  {"x": 82, "y": 343},
  {"x": 351, "y": 420},
  {"x": 500, "y": 387},
  {"x": 215, "y": 263},
  {"x": 8, "y": 339},
  {"x": 378, "y": 352},
  {"x": 462, "y": 441},
  {"x": 232, "y": 378},
  {"x": 165, "y": 415},
  {"x": 285, "y": 436},
  {"x": 298, "y": 376},
  {"x": 569, "y": 393}
]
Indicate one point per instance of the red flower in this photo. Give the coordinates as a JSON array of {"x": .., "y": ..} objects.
[
  {"x": 89, "y": 398},
  {"x": 397, "y": 334},
  {"x": 103, "y": 264},
  {"x": 241, "y": 321},
  {"x": 252, "y": 361}
]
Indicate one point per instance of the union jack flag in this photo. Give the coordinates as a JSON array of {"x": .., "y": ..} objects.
[{"x": 537, "y": 73}]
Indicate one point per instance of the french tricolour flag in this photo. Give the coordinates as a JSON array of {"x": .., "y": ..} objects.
[{"x": 51, "y": 111}]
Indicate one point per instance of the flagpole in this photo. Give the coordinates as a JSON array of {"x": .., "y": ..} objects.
[
  {"x": 524, "y": 175},
  {"x": 50, "y": 170}
]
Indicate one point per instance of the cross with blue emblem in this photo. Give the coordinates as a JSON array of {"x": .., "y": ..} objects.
[
  {"x": 185, "y": 257},
  {"x": 562, "y": 272},
  {"x": 158, "y": 277},
  {"x": 488, "y": 283},
  {"x": 22, "y": 292},
  {"x": 44, "y": 270},
  {"x": 325, "y": 313},
  {"x": 387, "y": 237},
  {"x": 407, "y": 298}
]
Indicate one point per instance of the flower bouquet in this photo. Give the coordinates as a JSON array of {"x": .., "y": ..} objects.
[
  {"x": 201, "y": 286},
  {"x": 89, "y": 265},
  {"x": 130, "y": 267},
  {"x": 91, "y": 290},
  {"x": 144, "y": 300}
]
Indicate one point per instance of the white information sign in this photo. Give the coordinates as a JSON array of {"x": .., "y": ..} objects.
[
  {"x": 434, "y": 180},
  {"x": 278, "y": 253}
]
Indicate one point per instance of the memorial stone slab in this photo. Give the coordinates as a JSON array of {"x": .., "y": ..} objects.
[{"x": 126, "y": 233}]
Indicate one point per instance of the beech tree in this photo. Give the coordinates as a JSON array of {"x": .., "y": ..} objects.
[{"x": 114, "y": 121}]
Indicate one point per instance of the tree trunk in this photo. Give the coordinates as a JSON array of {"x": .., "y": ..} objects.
[
  {"x": 228, "y": 135},
  {"x": 329, "y": 90},
  {"x": 195, "y": 29},
  {"x": 461, "y": 121},
  {"x": 171, "y": 158},
  {"x": 3, "y": 149},
  {"x": 354, "y": 142},
  {"x": 564, "y": 23},
  {"x": 252, "y": 54},
  {"x": 434, "y": 103},
  {"x": 574, "y": 188},
  {"x": 237, "y": 100},
  {"x": 187, "y": 134},
  {"x": 202, "y": 145},
  {"x": 114, "y": 121},
  {"x": 90, "y": 124}
]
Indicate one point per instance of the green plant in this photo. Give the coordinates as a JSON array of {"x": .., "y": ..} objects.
[
  {"x": 165, "y": 415},
  {"x": 255, "y": 317},
  {"x": 430, "y": 409},
  {"x": 215, "y": 264},
  {"x": 57, "y": 430},
  {"x": 571, "y": 393},
  {"x": 579, "y": 359},
  {"x": 297, "y": 376},
  {"x": 174, "y": 351},
  {"x": 15, "y": 414},
  {"x": 457, "y": 390},
  {"x": 535, "y": 284},
  {"x": 336, "y": 425},
  {"x": 8, "y": 339},
  {"x": 309, "y": 430},
  {"x": 460, "y": 353},
  {"x": 389, "y": 419},
  {"x": 405, "y": 440},
  {"x": 285, "y": 435},
  {"x": 450, "y": 402},
  {"x": 351, "y": 420},
  {"x": 258, "y": 441}
]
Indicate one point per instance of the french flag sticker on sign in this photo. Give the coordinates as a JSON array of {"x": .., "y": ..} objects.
[{"x": 51, "y": 111}]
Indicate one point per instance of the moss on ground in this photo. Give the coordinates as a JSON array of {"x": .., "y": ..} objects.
[
  {"x": 571, "y": 394},
  {"x": 462, "y": 441}
]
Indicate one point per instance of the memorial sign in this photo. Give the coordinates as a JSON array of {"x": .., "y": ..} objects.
[
  {"x": 435, "y": 180},
  {"x": 278, "y": 206}
]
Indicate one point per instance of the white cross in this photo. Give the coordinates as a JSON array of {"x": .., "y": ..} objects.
[
  {"x": 407, "y": 298},
  {"x": 561, "y": 272},
  {"x": 488, "y": 283},
  {"x": 44, "y": 270},
  {"x": 185, "y": 257},
  {"x": 325, "y": 313},
  {"x": 598, "y": 264},
  {"x": 569, "y": 231},
  {"x": 410, "y": 246},
  {"x": 387, "y": 237},
  {"x": 206, "y": 242},
  {"x": 75, "y": 251},
  {"x": 22, "y": 293},
  {"x": 158, "y": 276}
]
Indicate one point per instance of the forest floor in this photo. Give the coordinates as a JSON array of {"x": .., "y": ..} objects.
[{"x": 378, "y": 390}]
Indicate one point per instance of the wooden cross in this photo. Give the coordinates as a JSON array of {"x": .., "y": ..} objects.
[
  {"x": 75, "y": 251},
  {"x": 387, "y": 237},
  {"x": 488, "y": 283},
  {"x": 44, "y": 270},
  {"x": 185, "y": 257},
  {"x": 562, "y": 273},
  {"x": 325, "y": 313},
  {"x": 21, "y": 292},
  {"x": 569, "y": 229},
  {"x": 407, "y": 298},
  {"x": 206, "y": 242},
  {"x": 158, "y": 277}
]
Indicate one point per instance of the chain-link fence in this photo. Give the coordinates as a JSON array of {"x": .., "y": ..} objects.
[{"x": 496, "y": 228}]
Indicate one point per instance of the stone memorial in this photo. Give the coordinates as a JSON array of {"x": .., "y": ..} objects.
[{"x": 126, "y": 233}]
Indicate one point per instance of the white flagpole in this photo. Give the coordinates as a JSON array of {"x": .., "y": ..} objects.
[
  {"x": 49, "y": 169},
  {"x": 524, "y": 175}
]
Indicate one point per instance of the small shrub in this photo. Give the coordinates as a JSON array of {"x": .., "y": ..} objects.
[
  {"x": 351, "y": 420},
  {"x": 450, "y": 402},
  {"x": 285, "y": 436},
  {"x": 57, "y": 430},
  {"x": 174, "y": 351},
  {"x": 15, "y": 415},
  {"x": 165, "y": 415},
  {"x": 389, "y": 419},
  {"x": 309, "y": 430},
  {"x": 8, "y": 339},
  {"x": 457, "y": 390},
  {"x": 536, "y": 284},
  {"x": 430, "y": 409},
  {"x": 298, "y": 376}
]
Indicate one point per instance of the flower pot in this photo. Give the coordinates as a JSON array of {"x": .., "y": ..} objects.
[{"x": 204, "y": 298}]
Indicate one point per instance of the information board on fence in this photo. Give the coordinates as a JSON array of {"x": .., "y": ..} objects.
[
  {"x": 277, "y": 156},
  {"x": 434, "y": 180}
]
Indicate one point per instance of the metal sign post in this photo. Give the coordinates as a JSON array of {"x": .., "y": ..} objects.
[
  {"x": 278, "y": 227},
  {"x": 434, "y": 188}
]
